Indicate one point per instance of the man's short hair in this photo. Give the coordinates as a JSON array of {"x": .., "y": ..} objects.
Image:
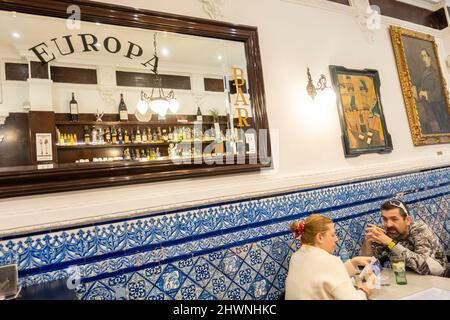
[{"x": 394, "y": 204}]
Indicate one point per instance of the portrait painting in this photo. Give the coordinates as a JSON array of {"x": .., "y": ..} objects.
[
  {"x": 360, "y": 110},
  {"x": 423, "y": 86}
]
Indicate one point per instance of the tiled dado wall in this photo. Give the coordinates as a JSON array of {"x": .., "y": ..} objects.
[{"x": 237, "y": 250}]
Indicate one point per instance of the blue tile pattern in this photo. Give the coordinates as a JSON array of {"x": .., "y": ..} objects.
[{"x": 237, "y": 250}]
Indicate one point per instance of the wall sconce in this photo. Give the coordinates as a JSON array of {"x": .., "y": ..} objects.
[{"x": 321, "y": 85}]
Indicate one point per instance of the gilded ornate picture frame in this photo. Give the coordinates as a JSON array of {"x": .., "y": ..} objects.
[
  {"x": 361, "y": 113},
  {"x": 423, "y": 86}
]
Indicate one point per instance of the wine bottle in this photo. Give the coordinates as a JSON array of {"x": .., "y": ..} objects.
[
  {"x": 126, "y": 137},
  {"x": 73, "y": 104},
  {"x": 199, "y": 114},
  {"x": 123, "y": 112}
]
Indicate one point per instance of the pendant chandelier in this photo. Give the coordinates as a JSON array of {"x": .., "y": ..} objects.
[{"x": 158, "y": 101}]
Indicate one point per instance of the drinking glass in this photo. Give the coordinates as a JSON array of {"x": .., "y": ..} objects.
[{"x": 398, "y": 265}]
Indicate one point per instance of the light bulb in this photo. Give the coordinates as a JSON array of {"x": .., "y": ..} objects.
[
  {"x": 159, "y": 106},
  {"x": 142, "y": 107},
  {"x": 164, "y": 107},
  {"x": 174, "y": 105}
]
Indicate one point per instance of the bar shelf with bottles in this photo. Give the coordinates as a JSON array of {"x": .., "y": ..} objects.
[{"x": 121, "y": 137}]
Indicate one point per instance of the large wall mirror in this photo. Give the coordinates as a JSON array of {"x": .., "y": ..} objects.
[{"x": 98, "y": 95}]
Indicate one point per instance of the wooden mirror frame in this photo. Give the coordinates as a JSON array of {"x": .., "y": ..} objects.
[{"x": 31, "y": 180}]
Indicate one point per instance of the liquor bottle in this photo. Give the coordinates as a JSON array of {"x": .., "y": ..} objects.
[
  {"x": 133, "y": 136},
  {"x": 73, "y": 104},
  {"x": 126, "y": 154},
  {"x": 155, "y": 136},
  {"x": 94, "y": 136},
  {"x": 159, "y": 134},
  {"x": 199, "y": 114},
  {"x": 143, "y": 154},
  {"x": 165, "y": 137},
  {"x": 133, "y": 154},
  {"x": 123, "y": 112},
  {"x": 107, "y": 136},
  {"x": 144, "y": 136},
  {"x": 175, "y": 134},
  {"x": 188, "y": 134},
  {"x": 138, "y": 136},
  {"x": 114, "y": 135},
  {"x": 150, "y": 136},
  {"x": 120, "y": 136},
  {"x": 87, "y": 135},
  {"x": 206, "y": 135},
  {"x": 158, "y": 154},
  {"x": 72, "y": 140},
  {"x": 170, "y": 134},
  {"x": 126, "y": 137},
  {"x": 138, "y": 154}
]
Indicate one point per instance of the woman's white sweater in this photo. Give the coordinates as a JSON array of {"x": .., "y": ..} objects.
[{"x": 314, "y": 274}]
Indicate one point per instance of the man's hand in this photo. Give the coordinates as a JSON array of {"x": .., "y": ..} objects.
[{"x": 378, "y": 235}]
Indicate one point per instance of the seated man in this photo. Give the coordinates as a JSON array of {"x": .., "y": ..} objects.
[{"x": 401, "y": 235}]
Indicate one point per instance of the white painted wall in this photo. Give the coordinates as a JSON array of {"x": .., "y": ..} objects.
[{"x": 306, "y": 141}]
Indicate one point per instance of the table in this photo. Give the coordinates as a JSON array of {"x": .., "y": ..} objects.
[
  {"x": 55, "y": 290},
  {"x": 416, "y": 283}
]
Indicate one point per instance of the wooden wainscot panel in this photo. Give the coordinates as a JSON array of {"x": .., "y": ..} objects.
[
  {"x": 73, "y": 75},
  {"x": 140, "y": 79},
  {"x": 213, "y": 85},
  {"x": 15, "y": 141},
  {"x": 16, "y": 71},
  {"x": 39, "y": 70}
]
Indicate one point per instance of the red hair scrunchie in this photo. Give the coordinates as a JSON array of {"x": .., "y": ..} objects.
[{"x": 298, "y": 228}]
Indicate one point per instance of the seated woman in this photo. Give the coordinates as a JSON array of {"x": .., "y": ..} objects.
[{"x": 314, "y": 272}]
